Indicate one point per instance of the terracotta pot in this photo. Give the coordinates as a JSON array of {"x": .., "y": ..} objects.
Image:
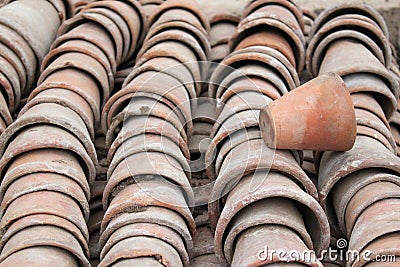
[
  {"x": 5, "y": 112},
  {"x": 149, "y": 82},
  {"x": 170, "y": 48},
  {"x": 140, "y": 246},
  {"x": 11, "y": 76},
  {"x": 65, "y": 98},
  {"x": 140, "y": 261},
  {"x": 191, "y": 6},
  {"x": 221, "y": 32},
  {"x": 219, "y": 52},
  {"x": 149, "y": 193},
  {"x": 184, "y": 38},
  {"x": 148, "y": 230},
  {"x": 175, "y": 14},
  {"x": 367, "y": 153},
  {"x": 38, "y": 203},
  {"x": 80, "y": 46},
  {"x": 41, "y": 256},
  {"x": 280, "y": 212},
  {"x": 364, "y": 198},
  {"x": 257, "y": 84},
  {"x": 24, "y": 52},
  {"x": 154, "y": 215},
  {"x": 16, "y": 63},
  {"x": 317, "y": 47},
  {"x": 46, "y": 136},
  {"x": 45, "y": 220},
  {"x": 90, "y": 32},
  {"x": 83, "y": 63},
  {"x": 370, "y": 83},
  {"x": 36, "y": 21},
  {"x": 258, "y": 6},
  {"x": 366, "y": 230},
  {"x": 77, "y": 81},
  {"x": 252, "y": 241},
  {"x": 254, "y": 21},
  {"x": 49, "y": 236},
  {"x": 349, "y": 8},
  {"x": 127, "y": 170},
  {"x": 199, "y": 33},
  {"x": 45, "y": 182},
  {"x": 150, "y": 125},
  {"x": 368, "y": 102},
  {"x": 148, "y": 143},
  {"x": 346, "y": 188},
  {"x": 170, "y": 66},
  {"x": 364, "y": 61},
  {"x": 141, "y": 106},
  {"x": 278, "y": 186},
  {"x": 385, "y": 245},
  {"x": 114, "y": 34},
  {"x": 330, "y": 98},
  {"x": 50, "y": 161}
]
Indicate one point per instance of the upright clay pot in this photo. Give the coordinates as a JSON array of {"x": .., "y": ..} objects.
[{"x": 324, "y": 120}]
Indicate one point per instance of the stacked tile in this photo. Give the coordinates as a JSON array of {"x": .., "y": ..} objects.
[
  {"x": 27, "y": 30},
  {"x": 49, "y": 158},
  {"x": 359, "y": 189},
  {"x": 149, "y": 6},
  {"x": 148, "y": 221},
  {"x": 308, "y": 16},
  {"x": 260, "y": 196},
  {"x": 395, "y": 128}
]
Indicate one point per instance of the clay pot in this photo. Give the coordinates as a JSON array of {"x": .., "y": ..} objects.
[
  {"x": 366, "y": 230},
  {"x": 148, "y": 143},
  {"x": 316, "y": 49},
  {"x": 191, "y": 6},
  {"x": 370, "y": 83},
  {"x": 344, "y": 51},
  {"x": 278, "y": 186},
  {"x": 154, "y": 215},
  {"x": 38, "y": 203},
  {"x": 5, "y": 112},
  {"x": 252, "y": 241},
  {"x": 48, "y": 236},
  {"x": 221, "y": 32},
  {"x": 141, "y": 106},
  {"x": 255, "y": 21},
  {"x": 11, "y": 79},
  {"x": 80, "y": 46},
  {"x": 382, "y": 246},
  {"x": 149, "y": 193},
  {"x": 45, "y": 182},
  {"x": 280, "y": 212},
  {"x": 46, "y": 136},
  {"x": 65, "y": 98},
  {"x": 170, "y": 66},
  {"x": 368, "y": 102},
  {"x": 163, "y": 233},
  {"x": 364, "y": 198},
  {"x": 127, "y": 170},
  {"x": 77, "y": 81},
  {"x": 347, "y": 187},
  {"x": 89, "y": 32},
  {"x": 140, "y": 246},
  {"x": 367, "y": 153},
  {"x": 331, "y": 132},
  {"x": 84, "y": 63},
  {"x": 52, "y": 161},
  {"x": 349, "y": 8},
  {"x": 24, "y": 52},
  {"x": 36, "y": 21},
  {"x": 199, "y": 33},
  {"x": 150, "y": 125},
  {"x": 41, "y": 256},
  {"x": 45, "y": 220}
]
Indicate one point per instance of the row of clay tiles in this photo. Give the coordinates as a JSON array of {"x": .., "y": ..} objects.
[{"x": 153, "y": 124}]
